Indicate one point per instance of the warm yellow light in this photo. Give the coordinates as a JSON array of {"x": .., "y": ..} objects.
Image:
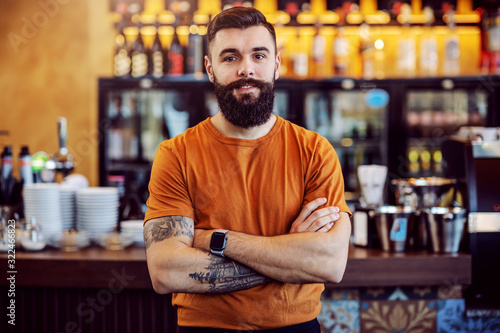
[
  {"x": 183, "y": 30},
  {"x": 463, "y": 18},
  {"x": 148, "y": 31},
  {"x": 279, "y": 18},
  {"x": 306, "y": 18},
  {"x": 379, "y": 44},
  {"x": 120, "y": 40},
  {"x": 425, "y": 156},
  {"x": 354, "y": 18},
  {"x": 413, "y": 19},
  {"x": 166, "y": 17},
  {"x": 148, "y": 18},
  {"x": 329, "y": 18},
  {"x": 438, "y": 156},
  {"x": 193, "y": 29},
  {"x": 346, "y": 142},
  {"x": 379, "y": 18},
  {"x": 166, "y": 30},
  {"x": 202, "y": 30},
  {"x": 131, "y": 31},
  {"x": 413, "y": 156},
  {"x": 200, "y": 18}
]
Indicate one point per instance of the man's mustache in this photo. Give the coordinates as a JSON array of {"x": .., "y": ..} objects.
[{"x": 244, "y": 82}]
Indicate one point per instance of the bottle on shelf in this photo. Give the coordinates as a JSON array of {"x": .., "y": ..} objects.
[
  {"x": 451, "y": 56},
  {"x": 341, "y": 48},
  {"x": 300, "y": 58},
  {"x": 121, "y": 60},
  {"x": 194, "y": 52},
  {"x": 139, "y": 55},
  {"x": 157, "y": 56},
  {"x": 175, "y": 55},
  {"x": 25, "y": 171},
  {"x": 406, "y": 57},
  {"x": 319, "y": 68},
  {"x": 367, "y": 51},
  {"x": 429, "y": 58}
]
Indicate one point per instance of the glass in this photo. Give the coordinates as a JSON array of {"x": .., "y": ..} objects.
[
  {"x": 354, "y": 123},
  {"x": 433, "y": 115}
]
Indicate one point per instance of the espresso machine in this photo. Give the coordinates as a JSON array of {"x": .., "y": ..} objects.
[{"x": 475, "y": 162}]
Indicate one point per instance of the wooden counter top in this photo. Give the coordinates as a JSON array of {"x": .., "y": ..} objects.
[{"x": 95, "y": 267}]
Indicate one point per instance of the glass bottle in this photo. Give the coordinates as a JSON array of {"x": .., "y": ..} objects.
[
  {"x": 367, "y": 51},
  {"x": 156, "y": 59},
  {"x": 194, "y": 53},
  {"x": 319, "y": 53},
  {"x": 139, "y": 55},
  {"x": 428, "y": 46},
  {"x": 341, "y": 49},
  {"x": 406, "y": 62},
  {"x": 300, "y": 58},
  {"x": 451, "y": 57},
  {"x": 121, "y": 60},
  {"x": 175, "y": 55}
]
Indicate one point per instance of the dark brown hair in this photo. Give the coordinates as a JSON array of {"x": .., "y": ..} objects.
[{"x": 238, "y": 18}]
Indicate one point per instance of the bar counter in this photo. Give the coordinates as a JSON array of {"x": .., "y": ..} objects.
[
  {"x": 93, "y": 267},
  {"x": 97, "y": 290}
]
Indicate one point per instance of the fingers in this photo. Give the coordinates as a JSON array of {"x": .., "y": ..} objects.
[
  {"x": 312, "y": 219},
  {"x": 321, "y": 218},
  {"x": 309, "y": 208},
  {"x": 326, "y": 227}
]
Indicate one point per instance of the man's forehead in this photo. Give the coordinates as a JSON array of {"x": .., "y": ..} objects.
[{"x": 254, "y": 36}]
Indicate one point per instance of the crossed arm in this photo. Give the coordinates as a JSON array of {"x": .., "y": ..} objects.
[{"x": 315, "y": 250}]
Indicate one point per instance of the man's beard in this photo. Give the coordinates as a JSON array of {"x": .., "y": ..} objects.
[{"x": 250, "y": 110}]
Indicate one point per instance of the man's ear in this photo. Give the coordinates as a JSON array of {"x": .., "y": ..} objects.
[{"x": 208, "y": 67}]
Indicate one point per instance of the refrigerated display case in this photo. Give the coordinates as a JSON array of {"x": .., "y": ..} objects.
[
  {"x": 136, "y": 115},
  {"x": 352, "y": 117},
  {"x": 400, "y": 123}
]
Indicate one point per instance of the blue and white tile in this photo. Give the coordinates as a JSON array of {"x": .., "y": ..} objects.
[
  {"x": 339, "y": 316},
  {"x": 451, "y": 319}
]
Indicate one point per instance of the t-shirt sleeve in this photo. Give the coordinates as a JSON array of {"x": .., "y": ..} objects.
[
  {"x": 324, "y": 177},
  {"x": 168, "y": 193}
]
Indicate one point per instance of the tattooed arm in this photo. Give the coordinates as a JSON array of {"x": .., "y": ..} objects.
[{"x": 175, "y": 266}]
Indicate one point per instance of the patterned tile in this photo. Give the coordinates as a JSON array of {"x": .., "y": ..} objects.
[
  {"x": 450, "y": 291},
  {"x": 451, "y": 319},
  {"x": 376, "y": 293},
  {"x": 421, "y": 292},
  {"x": 339, "y": 317},
  {"x": 398, "y": 317},
  {"x": 340, "y": 294},
  {"x": 398, "y": 293}
]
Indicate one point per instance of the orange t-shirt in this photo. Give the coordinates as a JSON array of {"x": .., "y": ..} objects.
[{"x": 253, "y": 186}]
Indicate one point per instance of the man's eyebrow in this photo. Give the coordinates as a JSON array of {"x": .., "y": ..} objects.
[
  {"x": 233, "y": 50},
  {"x": 228, "y": 50}
]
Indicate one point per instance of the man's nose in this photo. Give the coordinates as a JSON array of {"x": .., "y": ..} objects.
[{"x": 246, "y": 69}]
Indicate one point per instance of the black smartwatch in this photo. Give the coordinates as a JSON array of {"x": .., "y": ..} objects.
[{"x": 218, "y": 242}]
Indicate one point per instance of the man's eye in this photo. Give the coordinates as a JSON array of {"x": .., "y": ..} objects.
[
  {"x": 229, "y": 59},
  {"x": 260, "y": 56}
]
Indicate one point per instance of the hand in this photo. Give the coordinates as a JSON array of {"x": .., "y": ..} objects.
[{"x": 312, "y": 219}]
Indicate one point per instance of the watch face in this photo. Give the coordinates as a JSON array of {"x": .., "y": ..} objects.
[{"x": 218, "y": 241}]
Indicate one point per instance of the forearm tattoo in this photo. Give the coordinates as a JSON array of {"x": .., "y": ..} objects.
[
  {"x": 224, "y": 275},
  {"x": 221, "y": 275},
  {"x": 166, "y": 227}
]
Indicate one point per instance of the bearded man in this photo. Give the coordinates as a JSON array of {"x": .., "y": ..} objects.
[{"x": 246, "y": 217}]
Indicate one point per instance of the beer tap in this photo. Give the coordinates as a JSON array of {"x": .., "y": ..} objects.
[{"x": 61, "y": 161}]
